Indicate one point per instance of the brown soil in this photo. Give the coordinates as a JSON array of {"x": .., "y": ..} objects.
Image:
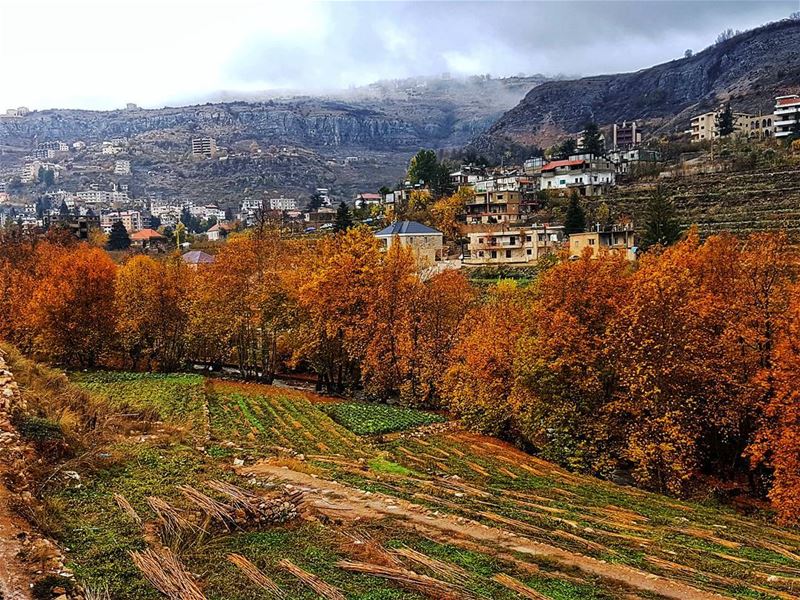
[
  {"x": 337, "y": 501},
  {"x": 14, "y": 577}
]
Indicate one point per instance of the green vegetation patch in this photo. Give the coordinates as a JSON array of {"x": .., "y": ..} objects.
[
  {"x": 364, "y": 418},
  {"x": 177, "y": 398}
]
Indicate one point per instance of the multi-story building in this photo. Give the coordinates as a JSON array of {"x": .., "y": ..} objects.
[
  {"x": 122, "y": 167},
  {"x": 282, "y": 203},
  {"x": 30, "y": 171},
  {"x": 43, "y": 153},
  {"x": 706, "y": 126},
  {"x": 56, "y": 146},
  {"x": 625, "y": 136},
  {"x": 131, "y": 219},
  {"x": 588, "y": 175},
  {"x": 102, "y": 196},
  {"x": 762, "y": 126},
  {"x": 521, "y": 245},
  {"x": 616, "y": 239},
  {"x": 787, "y": 115},
  {"x": 500, "y": 199},
  {"x": 204, "y": 147}
]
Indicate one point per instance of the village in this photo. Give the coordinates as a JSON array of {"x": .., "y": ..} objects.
[{"x": 501, "y": 218}]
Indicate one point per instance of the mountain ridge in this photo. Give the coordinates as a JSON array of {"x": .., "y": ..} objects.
[{"x": 747, "y": 70}]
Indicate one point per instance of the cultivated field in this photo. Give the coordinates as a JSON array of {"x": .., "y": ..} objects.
[{"x": 396, "y": 504}]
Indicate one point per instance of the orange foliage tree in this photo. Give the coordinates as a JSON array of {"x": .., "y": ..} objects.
[{"x": 72, "y": 308}]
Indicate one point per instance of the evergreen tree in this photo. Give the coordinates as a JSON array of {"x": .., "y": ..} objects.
[
  {"x": 344, "y": 219},
  {"x": 661, "y": 224},
  {"x": 725, "y": 122},
  {"x": 119, "y": 239},
  {"x": 592, "y": 142},
  {"x": 575, "y": 219},
  {"x": 567, "y": 148}
]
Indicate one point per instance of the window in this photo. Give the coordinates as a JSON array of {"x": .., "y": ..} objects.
[
  {"x": 512, "y": 240},
  {"x": 528, "y": 238},
  {"x": 508, "y": 253},
  {"x": 494, "y": 253},
  {"x": 591, "y": 242},
  {"x": 499, "y": 196},
  {"x": 480, "y": 240},
  {"x": 529, "y": 251}
]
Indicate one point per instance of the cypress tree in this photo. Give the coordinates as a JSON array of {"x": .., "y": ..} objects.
[
  {"x": 661, "y": 225},
  {"x": 575, "y": 218},
  {"x": 344, "y": 219},
  {"x": 119, "y": 239}
]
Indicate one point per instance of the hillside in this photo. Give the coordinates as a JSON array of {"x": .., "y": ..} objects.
[
  {"x": 349, "y": 142},
  {"x": 386, "y": 513},
  {"x": 748, "y": 70},
  {"x": 739, "y": 202}
]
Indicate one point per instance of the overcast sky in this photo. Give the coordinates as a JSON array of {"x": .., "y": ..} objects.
[{"x": 104, "y": 53}]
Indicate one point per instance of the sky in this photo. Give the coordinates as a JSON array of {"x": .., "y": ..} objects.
[{"x": 101, "y": 54}]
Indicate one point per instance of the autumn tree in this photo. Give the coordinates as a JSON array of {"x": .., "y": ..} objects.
[
  {"x": 389, "y": 319},
  {"x": 565, "y": 378},
  {"x": 334, "y": 287},
  {"x": 435, "y": 329},
  {"x": 151, "y": 316},
  {"x": 73, "y": 307},
  {"x": 446, "y": 212},
  {"x": 478, "y": 383}
]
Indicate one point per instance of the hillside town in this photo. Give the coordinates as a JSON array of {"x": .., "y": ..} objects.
[
  {"x": 400, "y": 301},
  {"x": 503, "y": 220}
]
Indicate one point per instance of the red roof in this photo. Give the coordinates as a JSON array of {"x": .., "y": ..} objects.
[
  {"x": 562, "y": 163},
  {"x": 370, "y": 196},
  {"x": 785, "y": 101},
  {"x": 146, "y": 234}
]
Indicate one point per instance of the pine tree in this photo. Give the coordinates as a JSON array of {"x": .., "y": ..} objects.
[
  {"x": 575, "y": 219},
  {"x": 119, "y": 238},
  {"x": 592, "y": 142},
  {"x": 344, "y": 219},
  {"x": 661, "y": 225},
  {"x": 725, "y": 122}
]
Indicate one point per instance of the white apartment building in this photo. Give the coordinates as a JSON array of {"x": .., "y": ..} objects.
[
  {"x": 589, "y": 176},
  {"x": 787, "y": 115},
  {"x": 122, "y": 167},
  {"x": 131, "y": 219},
  {"x": 101, "y": 196},
  {"x": 56, "y": 146},
  {"x": 110, "y": 148},
  {"x": 282, "y": 203},
  {"x": 43, "y": 153}
]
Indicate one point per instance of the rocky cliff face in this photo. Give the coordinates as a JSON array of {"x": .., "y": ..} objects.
[
  {"x": 748, "y": 70},
  {"x": 434, "y": 113}
]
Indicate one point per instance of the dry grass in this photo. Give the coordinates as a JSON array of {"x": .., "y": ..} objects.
[
  {"x": 515, "y": 585},
  {"x": 433, "y": 588},
  {"x": 444, "y": 570},
  {"x": 213, "y": 509},
  {"x": 325, "y": 590},
  {"x": 173, "y": 525},
  {"x": 126, "y": 507},
  {"x": 166, "y": 573},
  {"x": 272, "y": 591}
]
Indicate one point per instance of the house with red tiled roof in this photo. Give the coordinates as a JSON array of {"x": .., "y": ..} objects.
[
  {"x": 586, "y": 174},
  {"x": 147, "y": 238},
  {"x": 787, "y": 115}
]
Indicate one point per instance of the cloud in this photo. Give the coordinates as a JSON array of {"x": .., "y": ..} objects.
[{"x": 97, "y": 54}]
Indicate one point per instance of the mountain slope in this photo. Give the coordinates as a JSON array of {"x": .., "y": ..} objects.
[{"x": 748, "y": 70}]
